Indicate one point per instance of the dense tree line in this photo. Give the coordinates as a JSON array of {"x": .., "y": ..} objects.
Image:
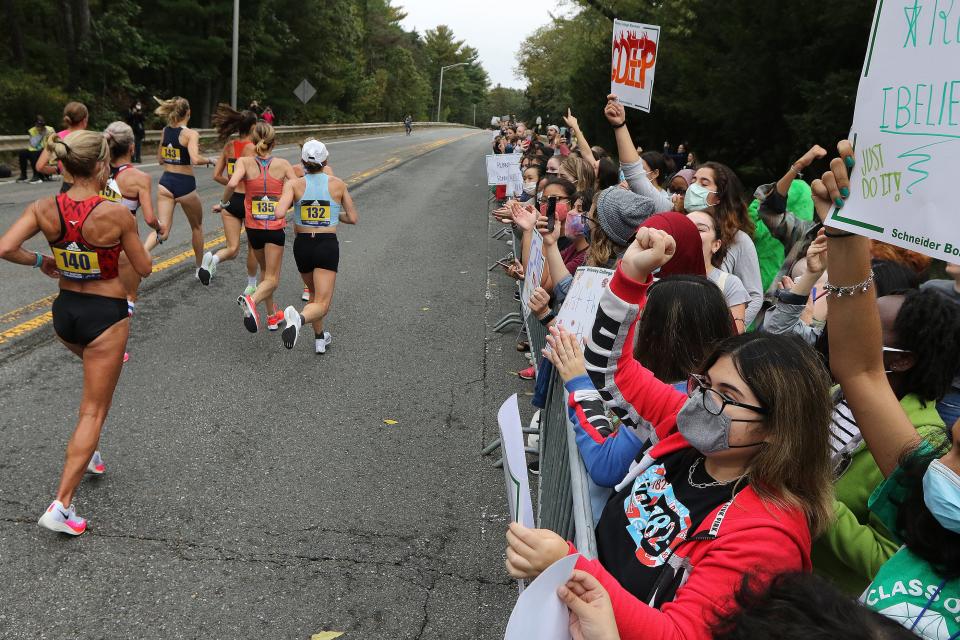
[
  {"x": 108, "y": 53},
  {"x": 750, "y": 83}
]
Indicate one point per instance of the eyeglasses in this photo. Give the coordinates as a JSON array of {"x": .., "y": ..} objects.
[{"x": 714, "y": 401}]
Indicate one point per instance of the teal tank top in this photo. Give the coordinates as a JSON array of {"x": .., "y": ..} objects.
[{"x": 316, "y": 208}]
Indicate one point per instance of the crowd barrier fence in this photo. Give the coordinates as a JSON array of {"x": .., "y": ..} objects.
[{"x": 563, "y": 492}]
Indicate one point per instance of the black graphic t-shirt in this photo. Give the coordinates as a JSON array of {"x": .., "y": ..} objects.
[{"x": 642, "y": 525}]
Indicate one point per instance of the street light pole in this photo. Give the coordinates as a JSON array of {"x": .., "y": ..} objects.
[
  {"x": 236, "y": 50},
  {"x": 474, "y": 114},
  {"x": 440, "y": 91}
]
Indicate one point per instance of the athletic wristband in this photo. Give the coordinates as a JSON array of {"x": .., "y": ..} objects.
[
  {"x": 38, "y": 260},
  {"x": 223, "y": 205}
]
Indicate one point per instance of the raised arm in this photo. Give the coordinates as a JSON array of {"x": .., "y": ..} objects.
[
  {"x": 630, "y": 161},
  {"x": 853, "y": 322},
  {"x": 582, "y": 144},
  {"x": 617, "y": 117}
]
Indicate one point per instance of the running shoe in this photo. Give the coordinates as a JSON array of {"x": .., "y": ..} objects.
[
  {"x": 251, "y": 319},
  {"x": 305, "y": 296},
  {"x": 291, "y": 332},
  {"x": 96, "y": 466},
  {"x": 205, "y": 271},
  {"x": 273, "y": 321},
  {"x": 527, "y": 374},
  {"x": 324, "y": 342},
  {"x": 22, "y": 179},
  {"x": 250, "y": 290},
  {"x": 37, "y": 180},
  {"x": 63, "y": 520}
]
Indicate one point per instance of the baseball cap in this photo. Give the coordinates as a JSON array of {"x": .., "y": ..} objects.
[{"x": 314, "y": 151}]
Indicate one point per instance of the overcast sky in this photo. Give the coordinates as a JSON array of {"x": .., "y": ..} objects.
[{"x": 491, "y": 27}]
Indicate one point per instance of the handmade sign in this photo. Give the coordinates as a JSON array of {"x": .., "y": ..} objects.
[
  {"x": 504, "y": 168},
  {"x": 580, "y": 306},
  {"x": 633, "y": 61},
  {"x": 533, "y": 274},
  {"x": 906, "y": 131}
]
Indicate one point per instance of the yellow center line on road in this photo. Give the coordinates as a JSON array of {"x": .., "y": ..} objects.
[{"x": 168, "y": 263}]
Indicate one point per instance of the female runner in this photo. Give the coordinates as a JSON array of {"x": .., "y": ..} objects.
[
  {"x": 322, "y": 201},
  {"x": 75, "y": 118},
  {"x": 298, "y": 169},
  {"x": 178, "y": 152},
  {"x": 228, "y": 121},
  {"x": 86, "y": 235},
  {"x": 263, "y": 176}
]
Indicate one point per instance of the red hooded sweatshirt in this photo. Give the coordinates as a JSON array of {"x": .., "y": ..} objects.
[{"x": 746, "y": 535}]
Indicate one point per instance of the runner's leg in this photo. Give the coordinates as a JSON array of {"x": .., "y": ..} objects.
[
  {"x": 324, "y": 282},
  {"x": 193, "y": 208},
  {"x": 270, "y": 268},
  {"x": 165, "y": 206}
]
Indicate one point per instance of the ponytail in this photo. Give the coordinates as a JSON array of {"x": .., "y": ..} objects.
[
  {"x": 227, "y": 121},
  {"x": 263, "y": 138},
  {"x": 80, "y": 152},
  {"x": 173, "y": 110}
]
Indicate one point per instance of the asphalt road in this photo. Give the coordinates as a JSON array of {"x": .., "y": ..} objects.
[{"x": 257, "y": 492}]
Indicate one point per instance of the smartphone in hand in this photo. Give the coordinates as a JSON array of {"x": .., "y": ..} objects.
[{"x": 551, "y": 213}]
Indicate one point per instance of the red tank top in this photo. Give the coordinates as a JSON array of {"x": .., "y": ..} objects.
[
  {"x": 238, "y": 147},
  {"x": 260, "y": 199},
  {"x": 76, "y": 258}
]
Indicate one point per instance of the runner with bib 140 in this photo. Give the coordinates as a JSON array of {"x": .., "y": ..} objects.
[
  {"x": 322, "y": 201},
  {"x": 86, "y": 235},
  {"x": 263, "y": 179}
]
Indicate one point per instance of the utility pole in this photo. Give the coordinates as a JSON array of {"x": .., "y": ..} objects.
[
  {"x": 440, "y": 90},
  {"x": 236, "y": 53},
  {"x": 474, "y": 114}
]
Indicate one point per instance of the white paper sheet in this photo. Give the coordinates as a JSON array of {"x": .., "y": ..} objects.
[
  {"x": 533, "y": 275},
  {"x": 633, "y": 61},
  {"x": 539, "y": 613},
  {"x": 504, "y": 168},
  {"x": 579, "y": 309},
  {"x": 515, "y": 463}
]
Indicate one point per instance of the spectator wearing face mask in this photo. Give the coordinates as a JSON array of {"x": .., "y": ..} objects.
[
  {"x": 683, "y": 527},
  {"x": 919, "y": 502},
  {"x": 733, "y": 290}
]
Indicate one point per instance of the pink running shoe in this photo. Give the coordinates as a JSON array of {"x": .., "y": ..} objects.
[
  {"x": 528, "y": 374},
  {"x": 62, "y": 520}
]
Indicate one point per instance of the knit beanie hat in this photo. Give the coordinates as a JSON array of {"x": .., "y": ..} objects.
[
  {"x": 620, "y": 212},
  {"x": 688, "y": 258}
]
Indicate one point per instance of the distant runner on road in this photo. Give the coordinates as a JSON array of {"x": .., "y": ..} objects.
[
  {"x": 408, "y": 124},
  {"x": 86, "y": 235}
]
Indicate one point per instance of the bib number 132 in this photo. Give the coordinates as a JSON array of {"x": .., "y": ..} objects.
[{"x": 315, "y": 214}]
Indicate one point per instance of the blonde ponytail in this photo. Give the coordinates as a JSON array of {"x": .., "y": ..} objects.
[
  {"x": 173, "y": 110},
  {"x": 80, "y": 152},
  {"x": 263, "y": 138}
]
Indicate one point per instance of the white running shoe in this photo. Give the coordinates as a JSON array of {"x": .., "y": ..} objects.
[
  {"x": 291, "y": 331},
  {"x": 251, "y": 318},
  {"x": 62, "y": 519},
  {"x": 305, "y": 296},
  {"x": 250, "y": 290},
  {"x": 323, "y": 343},
  {"x": 205, "y": 271},
  {"x": 96, "y": 466}
]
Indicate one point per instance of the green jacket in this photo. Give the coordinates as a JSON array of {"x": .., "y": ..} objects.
[
  {"x": 857, "y": 544},
  {"x": 771, "y": 251}
]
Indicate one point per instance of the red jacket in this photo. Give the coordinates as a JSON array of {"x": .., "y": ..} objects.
[{"x": 747, "y": 535}]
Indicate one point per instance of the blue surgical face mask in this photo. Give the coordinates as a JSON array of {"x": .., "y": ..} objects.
[
  {"x": 941, "y": 493},
  {"x": 696, "y": 198}
]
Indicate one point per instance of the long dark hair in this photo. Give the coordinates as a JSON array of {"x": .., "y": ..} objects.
[
  {"x": 801, "y": 606},
  {"x": 608, "y": 174},
  {"x": 928, "y": 325},
  {"x": 227, "y": 121},
  {"x": 916, "y": 526},
  {"x": 657, "y": 162},
  {"x": 731, "y": 212},
  {"x": 685, "y": 318}
]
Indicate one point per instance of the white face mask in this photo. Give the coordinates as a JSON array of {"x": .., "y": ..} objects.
[
  {"x": 539, "y": 195},
  {"x": 529, "y": 188}
]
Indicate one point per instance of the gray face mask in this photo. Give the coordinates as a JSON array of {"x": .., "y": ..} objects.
[{"x": 704, "y": 431}]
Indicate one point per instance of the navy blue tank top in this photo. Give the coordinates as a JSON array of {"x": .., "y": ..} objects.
[{"x": 171, "y": 151}]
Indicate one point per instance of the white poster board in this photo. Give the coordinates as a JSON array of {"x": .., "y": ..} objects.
[
  {"x": 633, "y": 62},
  {"x": 906, "y": 132},
  {"x": 515, "y": 463},
  {"x": 540, "y": 614},
  {"x": 504, "y": 168},
  {"x": 533, "y": 274},
  {"x": 579, "y": 309}
]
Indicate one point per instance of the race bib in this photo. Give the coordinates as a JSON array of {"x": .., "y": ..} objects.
[
  {"x": 231, "y": 165},
  {"x": 315, "y": 213},
  {"x": 264, "y": 208},
  {"x": 111, "y": 192},
  {"x": 170, "y": 153},
  {"x": 77, "y": 265}
]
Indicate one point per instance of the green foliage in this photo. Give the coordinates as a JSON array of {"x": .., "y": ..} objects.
[
  {"x": 109, "y": 53},
  {"x": 752, "y": 84}
]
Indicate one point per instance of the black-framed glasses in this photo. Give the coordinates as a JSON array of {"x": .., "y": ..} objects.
[{"x": 713, "y": 400}]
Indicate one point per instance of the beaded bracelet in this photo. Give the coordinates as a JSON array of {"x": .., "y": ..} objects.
[{"x": 851, "y": 290}]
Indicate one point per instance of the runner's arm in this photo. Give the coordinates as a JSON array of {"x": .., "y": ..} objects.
[
  {"x": 193, "y": 146},
  {"x": 239, "y": 171},
  {"x": 43, "y": 164},
  {"x": 146, "y": 201},
  {"x": 287, "y": 197},
  {"x": 11, "y": 243},
  {"x": 221, "y": 167},
  {"x": 139, "y": 259},
  {"x": 348, "y": 213}
]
